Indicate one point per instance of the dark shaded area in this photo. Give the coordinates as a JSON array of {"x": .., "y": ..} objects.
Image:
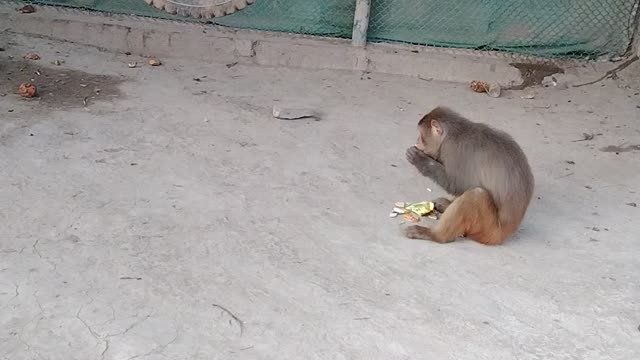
[
  {"x": 533, "y": 74},
  {"x": 620, "y": 148},
  {"x": 57, "y": 87}
]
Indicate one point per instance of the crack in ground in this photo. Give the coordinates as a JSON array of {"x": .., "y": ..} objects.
[
  {"x": 35, "y": 248},
  {"x": 140, "y": 321},
  {"x": 233, "y": 316},
  {"x": 95, "y": 335},
  {"x": 158, "y": 349},
  {"x": 39, "y": 316},
  {"x": 105, "y": 339},
  {"x": 46, "y": 258}
]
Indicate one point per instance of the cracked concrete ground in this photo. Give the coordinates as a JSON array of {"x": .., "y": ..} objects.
[{"x": 171, "y": 217}]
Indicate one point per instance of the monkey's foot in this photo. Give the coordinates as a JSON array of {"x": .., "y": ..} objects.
[{"x": 424, "y": 233}]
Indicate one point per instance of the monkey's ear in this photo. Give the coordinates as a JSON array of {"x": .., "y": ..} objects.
[{"x": 436, "y": 128}]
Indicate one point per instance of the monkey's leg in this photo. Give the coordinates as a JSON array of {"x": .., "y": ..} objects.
[
  {"x": 441, "y": 204},
  {"x": 473, "y": 215}
]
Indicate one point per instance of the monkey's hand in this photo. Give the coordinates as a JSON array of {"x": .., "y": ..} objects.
[
  {"x": 427, "y": 165},
  {"x": 419, "y": 159}
]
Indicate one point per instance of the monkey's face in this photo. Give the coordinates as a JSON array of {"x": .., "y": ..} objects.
[
  {"x": 420, "y": 142},
  {"x": 428, "y": 142}
]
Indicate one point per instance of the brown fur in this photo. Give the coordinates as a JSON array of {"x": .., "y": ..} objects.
[{"x": 483, "y": 167}]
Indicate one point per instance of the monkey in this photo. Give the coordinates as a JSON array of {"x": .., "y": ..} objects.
[{"x": 484, "y": 168}]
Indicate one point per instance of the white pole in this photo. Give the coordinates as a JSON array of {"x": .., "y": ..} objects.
[{"x": 361, "y": 23}]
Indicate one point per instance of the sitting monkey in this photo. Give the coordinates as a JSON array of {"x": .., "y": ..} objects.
[{"x": 484, "y": 168}]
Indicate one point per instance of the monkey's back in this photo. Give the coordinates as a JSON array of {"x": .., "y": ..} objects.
[{"x": 481, "y": 156}]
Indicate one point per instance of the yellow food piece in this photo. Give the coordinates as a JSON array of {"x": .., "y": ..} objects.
[{"x": 421, "y": 208}]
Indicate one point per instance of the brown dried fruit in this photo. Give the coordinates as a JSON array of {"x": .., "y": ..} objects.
[
  {"x": 32, "y": 56},
  {"x": 411, "y": 217},
  {"x": 479, "y": 86},
  {"x": 28, "y": 90}
]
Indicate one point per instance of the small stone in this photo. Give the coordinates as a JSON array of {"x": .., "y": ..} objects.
[
  {"x": 27, "y": 9},
  {"x": 155, "y": 62},
  {"x": 32, "y": 56}
]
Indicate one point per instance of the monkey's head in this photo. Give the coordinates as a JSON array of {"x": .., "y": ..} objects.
[{"x": 430, "y": 133}]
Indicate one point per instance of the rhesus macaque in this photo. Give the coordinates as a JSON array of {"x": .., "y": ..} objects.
[{"x": 484, "y": 168}]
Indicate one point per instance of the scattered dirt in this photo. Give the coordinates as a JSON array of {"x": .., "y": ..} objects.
[
  {"x": 613, "y": 73},
  {"x": 620, "y": 148},
  {"x": 57, "y": 87},
  {"x": 587, "y": 137},
  {"x": 533, "y": 74}
]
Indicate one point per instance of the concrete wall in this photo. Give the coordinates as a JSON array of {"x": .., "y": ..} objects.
[{"x": 218, "y": 44}]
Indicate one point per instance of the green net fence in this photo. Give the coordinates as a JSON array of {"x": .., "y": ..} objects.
[
  {"x": 332, "y": 18},
  {"x": 550, "y": 28},
  {"x": 573, "y": 28}
]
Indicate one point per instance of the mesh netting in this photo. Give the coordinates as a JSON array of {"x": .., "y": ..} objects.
[
  {"x": 326, "y": 18},
  {"x": 565, "y": 28},
  {"x": 553, "y": 28},
  {"x": 311, "y": 17}
]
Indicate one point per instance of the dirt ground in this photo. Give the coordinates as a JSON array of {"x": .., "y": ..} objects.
[{"x": 162, "y": 213}]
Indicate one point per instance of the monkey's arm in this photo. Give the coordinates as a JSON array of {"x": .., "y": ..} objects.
[{"x": 431, "y": 168}]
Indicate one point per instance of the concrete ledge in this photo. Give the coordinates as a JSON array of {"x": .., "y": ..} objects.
[{"x": 146, "y": 36}]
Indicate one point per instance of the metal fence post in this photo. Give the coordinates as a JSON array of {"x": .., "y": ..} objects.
[{"x": 361, "y": 23}]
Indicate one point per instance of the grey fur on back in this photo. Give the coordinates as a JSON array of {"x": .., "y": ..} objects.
[{"x": 477, "y": 155}]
